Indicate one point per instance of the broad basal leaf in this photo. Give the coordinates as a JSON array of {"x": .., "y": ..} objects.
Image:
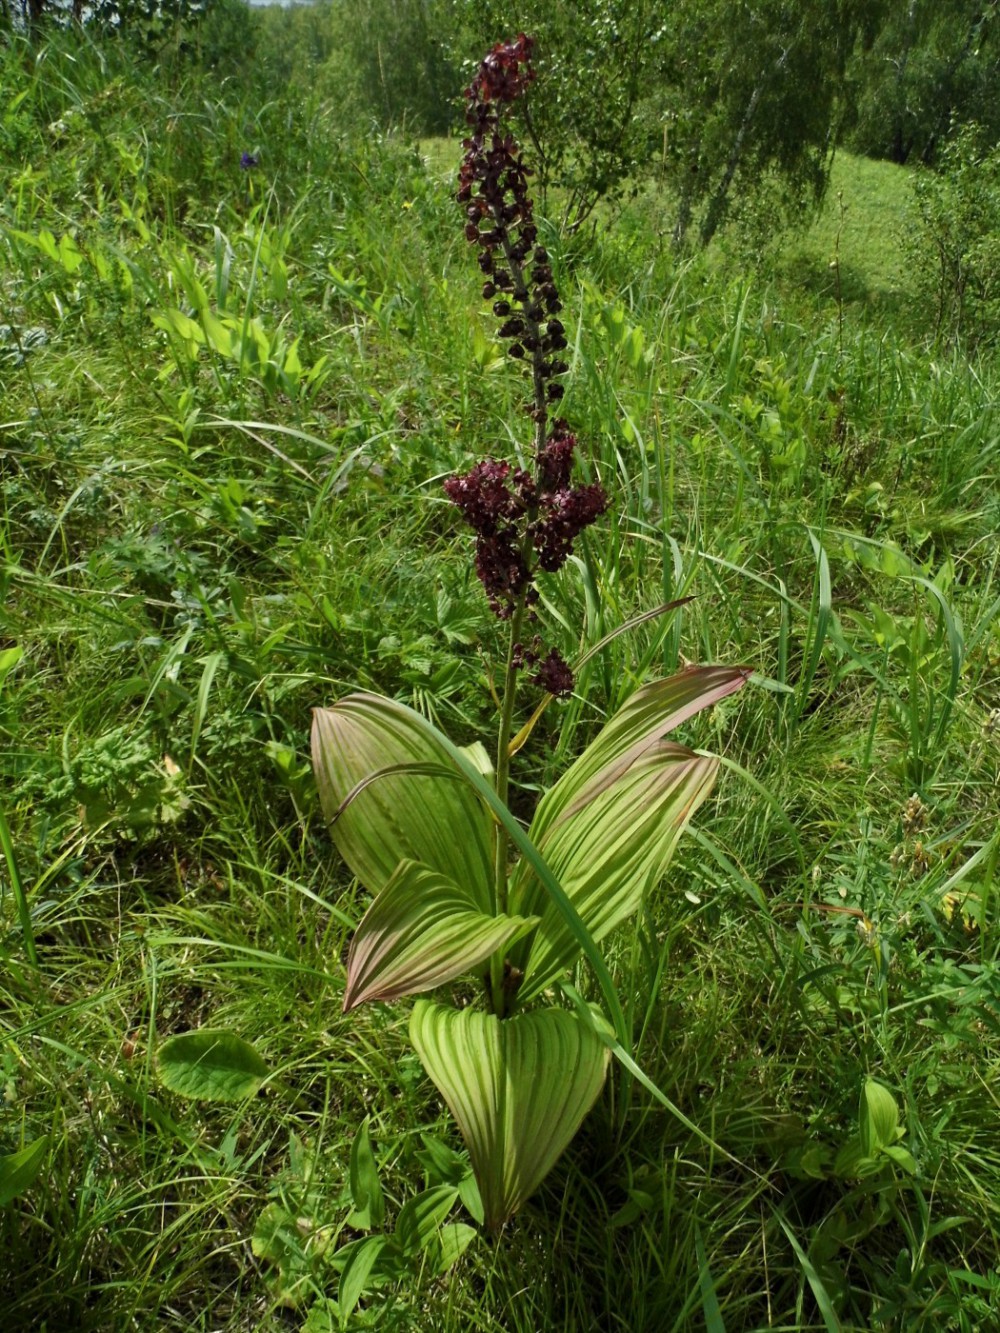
[
  {"x": 421, "y": 932},
  {"x": 609, "y": 826},
  {"x": 518, "y": 1089},
  {"x": 210, "y": 1065},
  {"x": 430, "y": 815},
  {"x": 607, "y": 854}
]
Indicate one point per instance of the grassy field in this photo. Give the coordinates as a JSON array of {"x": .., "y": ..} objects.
[
  {"x": 229, "y": 399},
  {"x": 853, "y": 250}
]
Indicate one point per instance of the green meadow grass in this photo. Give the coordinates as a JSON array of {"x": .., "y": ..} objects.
[
  {"x": 228, "y": 402},
  {"x": 853, "y": 250}
]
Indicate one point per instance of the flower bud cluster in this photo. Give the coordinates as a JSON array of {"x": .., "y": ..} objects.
[
  {"x": 551, "y": 672},
  {"x": 523, "y": 520},
  {"x": 493, "y": 189}
]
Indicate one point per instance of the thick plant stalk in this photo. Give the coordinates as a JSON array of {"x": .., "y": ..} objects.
[
  {"x": 508, "y": 700},
  {"x": 525, "y": 520}
]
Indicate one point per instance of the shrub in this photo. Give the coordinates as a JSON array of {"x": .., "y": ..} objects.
[{"x": 956, "y": 242}]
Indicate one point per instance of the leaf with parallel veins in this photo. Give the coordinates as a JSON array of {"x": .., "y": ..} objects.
[
  {"x": 392, "y": 794},
  {"x": 518, "y": 1088},
  {"x": 609, "y": 826},
  {"x": 422, "y": 931}
]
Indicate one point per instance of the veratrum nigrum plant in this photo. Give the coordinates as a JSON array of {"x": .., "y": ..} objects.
[{"x": 458, "y": 887}]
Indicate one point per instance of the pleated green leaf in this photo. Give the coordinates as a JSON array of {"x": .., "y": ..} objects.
[
  {"x": 647, "y": 716},
  {"x": 518, "y": 1089},
  {"x": 609, "y": 826},
  {"x": 381, "y": 815},
  {"x": 422, "y": 931},
  {"x": 367, "y": 1195},
  {"x": 878, "y": 1116},
  {"x": 608, "y": 855}
]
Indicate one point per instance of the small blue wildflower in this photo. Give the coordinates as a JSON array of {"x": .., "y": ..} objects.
[{"x": 249, "y": 160}]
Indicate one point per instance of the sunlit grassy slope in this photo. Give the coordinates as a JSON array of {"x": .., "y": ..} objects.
[
  {"x": 856, "y": 240},
  {"x": 229, "y": 399}
]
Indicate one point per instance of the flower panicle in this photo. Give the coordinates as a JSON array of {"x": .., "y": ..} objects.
[
  {"x": 524, "y": 520},
  {"x": 499, "y": 212}
]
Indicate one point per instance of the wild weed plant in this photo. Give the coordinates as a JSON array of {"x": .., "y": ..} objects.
[{"x": 428, "y": 830}]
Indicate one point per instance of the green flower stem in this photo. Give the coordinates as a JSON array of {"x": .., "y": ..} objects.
[
  {"x": 501, "y": 845},
  {"x": 498, "y": 995}
]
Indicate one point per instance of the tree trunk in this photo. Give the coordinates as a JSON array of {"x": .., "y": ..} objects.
[
  {"x": 900, "y": 149},
  {"x": 717, "y": 204},
  {"x": 686, "y": 204}
]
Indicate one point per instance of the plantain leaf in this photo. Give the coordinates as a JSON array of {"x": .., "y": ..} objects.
[
  {"x": 19, "y": 1169},
  {"x": 357, "y": 1274},
  {"x": 381, "y": 817},
  {"x": 609, "y": 826},
  {"x": 421, "y": 1218},
  {"x": 452, "y": 1242},
  {"x": 421, "y": 932},
  {"x": 518, "y": 1089},
  {"x": 210, "y": 1065}
]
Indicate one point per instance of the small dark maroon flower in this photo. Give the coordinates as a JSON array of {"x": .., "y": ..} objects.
[
  {"x": 554, "y": 675},
  {"x": 565, "y": 514},
  {"x": 556, "y": 457},
  {"x": 504, "y": 73},
  {"x": 501, "y": 570},
  {"x": 483, "y": 496}
]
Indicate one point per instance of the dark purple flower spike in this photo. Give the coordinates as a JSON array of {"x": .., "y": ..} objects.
[{"x": 523, "y": 521}]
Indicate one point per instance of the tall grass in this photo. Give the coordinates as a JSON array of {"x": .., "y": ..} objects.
[{"x": 229, "y": 400}]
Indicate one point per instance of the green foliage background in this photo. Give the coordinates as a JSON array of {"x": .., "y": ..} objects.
[{"x": 229, "y": 399}]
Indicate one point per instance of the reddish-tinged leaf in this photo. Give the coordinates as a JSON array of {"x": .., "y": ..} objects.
[
  {"x": 397, "y": 815},
  {"x": 651, "y": 713},
  {"x": 421, "y": 932},
  {"x": 609, "y": 826}
]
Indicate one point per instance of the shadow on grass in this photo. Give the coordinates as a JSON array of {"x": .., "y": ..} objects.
[{"x": 819, "y": 279}]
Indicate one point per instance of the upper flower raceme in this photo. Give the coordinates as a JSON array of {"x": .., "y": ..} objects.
[
  {"x": 524, "y": 520},
  {"x": 504, "y": 73}
]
